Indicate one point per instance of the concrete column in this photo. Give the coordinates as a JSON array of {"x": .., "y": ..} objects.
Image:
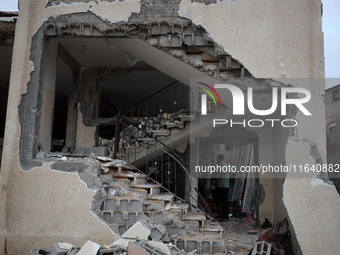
[
  {"x": 84, "y": 134},
  {"x": 47, "y": 109}
]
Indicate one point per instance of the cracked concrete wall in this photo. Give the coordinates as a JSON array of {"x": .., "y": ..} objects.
[
  {"x": 41, "y": 205},
  {"x": 273, "y": 39},
  {"x": 284, "y": 40}
]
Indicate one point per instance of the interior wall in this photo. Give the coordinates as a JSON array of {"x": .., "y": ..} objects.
[
  {"x": 5, "y": 69},
  {"x": 266, "y": 181},
  {"x": 47, "y": 110},
  {"x": 85, "y": 135}
]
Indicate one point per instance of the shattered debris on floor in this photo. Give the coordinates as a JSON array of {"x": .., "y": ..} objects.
[{"x": 150, "y": 221}]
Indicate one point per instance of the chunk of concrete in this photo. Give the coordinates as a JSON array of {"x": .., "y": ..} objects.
[
  {"x": 121, "y": 242},
  {"x": 135, "y": 249},
  {"x": 39, "y": 251},
  {"x": 262, "y": 248},
  {"x": 139, "y": 229},
  {"x": 89, "y": 248},
  {"x": 40, "y": 155},
  {"x": 160, "y": 246},
  {"x": 60, "y": 248},
  {"x": 73, "y": 251}
]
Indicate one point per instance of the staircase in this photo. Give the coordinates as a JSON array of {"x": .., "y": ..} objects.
[{"x": 132, "y": 197}]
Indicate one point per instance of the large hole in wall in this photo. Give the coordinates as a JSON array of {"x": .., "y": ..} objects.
[{"x": 93, "y": 82}]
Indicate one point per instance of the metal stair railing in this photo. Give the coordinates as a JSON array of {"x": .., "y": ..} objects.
[
  {"x": 163, "y": 173},
  {"x": 171, "y": 98}
]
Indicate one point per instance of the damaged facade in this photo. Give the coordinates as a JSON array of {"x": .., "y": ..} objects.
[{"x": 99, "y": 122}]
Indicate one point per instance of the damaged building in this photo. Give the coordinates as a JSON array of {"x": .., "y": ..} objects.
[{"x": 105, "y": 114}]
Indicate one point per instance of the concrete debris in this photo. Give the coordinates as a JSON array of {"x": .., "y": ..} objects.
[
  {"x": 139, "y": 229},
  {"x": 41, "y": 251},
  {"x": 262, "y": 248},
  {"x": 73, "y": 251},
  {"x": 61, "y": 248},
  {"x": 65, "y": 246},
  {"x": 155, "y": 126},
  {"x": 121, "y": 242},
  {"x": 115, "y": 163},
  {"x": 135, "y": 249},
  {"x": 98, "y": 151},
  {"x": 89, "y": 248},
  {"x": 160, "y": 245},
  {"x": 40, "y": 155},
  {"x": 157, "y": 230},
  {"x": 143, "y": 247}
]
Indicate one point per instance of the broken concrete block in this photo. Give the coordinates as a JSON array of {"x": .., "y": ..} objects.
[
  {"x": 121, "y": 242},
  {"x": 73, "y": 251},
  {"x": 60, "y": 248},
  {"x": 262, "y": 248},
  {"x": 89, "y": 248},
  {"x": 135, "y": 249},
  {"x": 160, "y": 246},
  {"x": 175, "y": 251},
  {"x": 40, "y": 155},
  {"x": 166, "y": 238},
  {"x": 139, "y": 229},
  {"x": 116, "y": 250},
  {"x": 39, "y": 251},
  {"x": 158, "y": 232},
  {"x": 149, "y": 247}
]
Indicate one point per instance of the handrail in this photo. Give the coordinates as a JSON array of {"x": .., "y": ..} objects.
[
  {"x": 178, "y": 159},
  {"x": 175, "y": 98},
  {"x": 130, "y": 108}
]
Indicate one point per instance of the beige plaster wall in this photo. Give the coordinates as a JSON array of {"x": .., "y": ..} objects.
[
  {"x": 283, "y": 40},
  {"x": 313, "y": 207},
  {"x": 47, "y": 206},
  {"x": 34, "y": 210}
]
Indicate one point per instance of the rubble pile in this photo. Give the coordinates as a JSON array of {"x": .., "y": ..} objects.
[
  {"x": 149, "y": 221},
  {"x": 134, "y": 242},
  {"x": 160, "y": 125},
  {"x": 136, "y": 207}
]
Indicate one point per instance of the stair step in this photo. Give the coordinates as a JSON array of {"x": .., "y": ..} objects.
[
  {"x": 192, "y": 51},
  {"x": 154, "y": 189},
  {"x": 212, "y": 228},
  {"x": 180, "y": 206},
  {"x": 116, "y": 164},
  {"x": 145, "y": 139},
  {"x": 174, "y": 125},
  {"x": 194, "y": 216},
  {"x": 126, "y": 174},
  {"x": 163, "y": 132},
  {"x": 211, "y": 60},
  {"x": 167, "y": 198},
  {"x": 140, "y": 179},
  {"x": 187, "y": 118}
]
